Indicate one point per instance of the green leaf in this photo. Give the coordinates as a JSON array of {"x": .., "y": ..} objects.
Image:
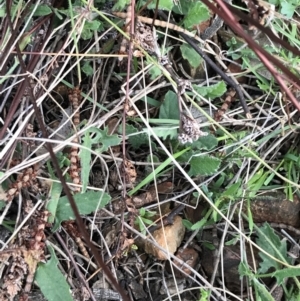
[
  {"x": 55, "y": 193},
  {"x": 51, "y": 281},
  {"x": 142, "y": 211},
  {"x": 136, "y": 140},
  {"x": 41, "y": 10},
  {"x": 147, "y": 221},
  {"x": 162, "y": 4},
  {"x": 213, "y": 91},
  {"x": 261, "y": 290},
  {"x": 204, "y": 166},
  {"x": 2, "y": 204},
  {"x": 169, "y": 108},
  {"x": 86, "y": 203},
  {"x": 198, "y": 13},
  {"x": 156, "y": 172},
  {"x": 87, "y": 69},
  {"x": 85, "y": 159},
  {"x": 232, "y": 190},
  {"x": 286, "y": 273},
  {"x": 93, "y": 25},
  {"x": 190, "y": 55},
  {"x": 102, "y": 137},
  {"x": 287, "y": 9},
  {"x": 199, "y": 224},
  {"x": 120, "y": 5},
  {"x": 269, "y": 241},
  {"x": 205, "y": 143},
  {"x": 154, "y": 72},
  {"x": 181, "y": 7},
  {"x": 165, "y": 132},
  {"x": 187, "y": 224}
]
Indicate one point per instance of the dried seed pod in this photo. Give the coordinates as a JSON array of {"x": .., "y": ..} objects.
[{"x": 189, "y": 131}]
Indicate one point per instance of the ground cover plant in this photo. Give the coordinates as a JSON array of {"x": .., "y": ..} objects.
[{"x": 149, "y": 150}]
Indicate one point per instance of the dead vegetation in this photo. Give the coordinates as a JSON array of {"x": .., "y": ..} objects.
[{"x": 123, "y": 177}]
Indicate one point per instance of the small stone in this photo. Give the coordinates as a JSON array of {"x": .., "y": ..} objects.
[
  {"x": 169, "y": 239},
  {"x": 190, "y": 257}
]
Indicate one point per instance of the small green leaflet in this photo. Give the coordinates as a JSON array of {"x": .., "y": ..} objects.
[
  {"x": 260, "y": 289},
  {"x": 204, "y": 166},
  {"x": 162, "y": 4},
  {"x": 136, "y": 140},
  {"x": 197, "y": 13},
  {"x": 288, "y": 8},
  {"x": 165, "y": 132},
  {"x": 86, "y": 203},
  {"x": 190, "y": 55},
  {"x": 205, "y": 143},
  {"x": 269, "y": 241},
  {"x": 89, "y": 28},
  {"x": 87, "y": 69},
  {"x": 94, "y": 136},
  {"x": 41, "y": 10},
  {"x": 213, "y": 91},
  {"x": 55, "y": 193},
  {"x": 2, "y": 204},
  {"x": 51, "y": 281},
  {"x": 169, "y": 108},
  {"x": 120, "y": 5},
  {"x": 286, "y": 273}
]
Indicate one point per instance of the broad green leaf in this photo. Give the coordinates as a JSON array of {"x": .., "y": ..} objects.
[
  {"x": 204, "y": 166},
  {"x": 162, "y": 4},
  {"x": 55, "y": 193},
  {"x": 190, "y": 55},
  {"x": 165, "y": 132},
  {"x": 86, "y": 203},
  {"x": 286, "y": 273},
  {"x": 213, "y": 91},
  {"x": 269, "y": 241},
  {"x": 41, "y": 10},
  {"x": 138, "y": 138},
  {"x": 287, "y": 9},
  {"x": 106, "y": 140},
  {"x": 207, "y": 143},
  {"x": 169, "y": 108},
  {"x": 197, "y": 13},
  {"x": 51, "y": 281},
  {"x": 93, "y": 25}
]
